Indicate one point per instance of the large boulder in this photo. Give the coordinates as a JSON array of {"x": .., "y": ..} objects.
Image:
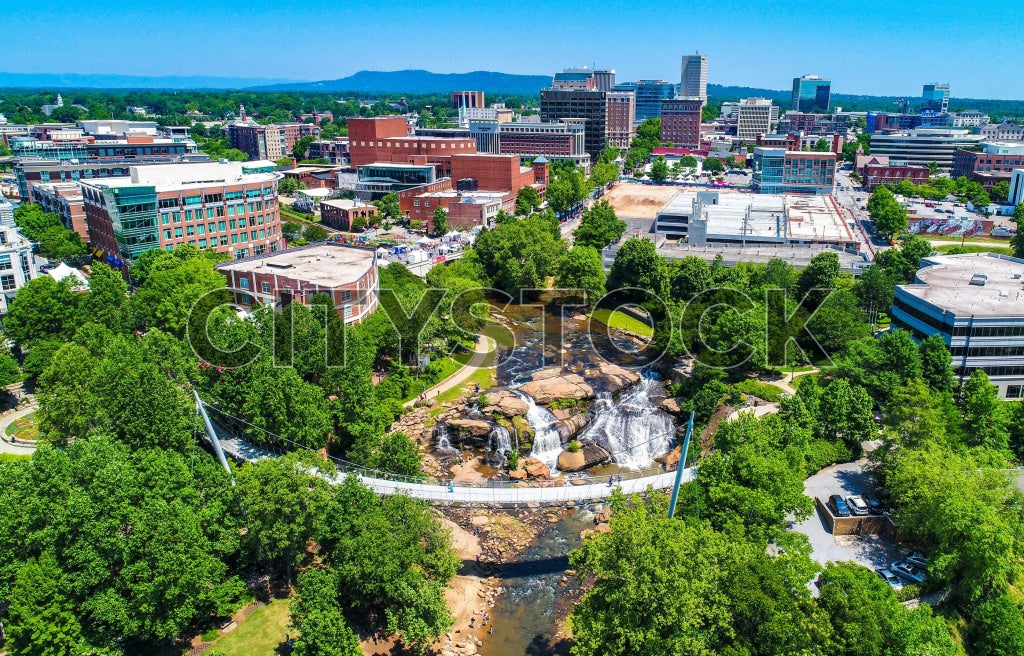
[
  {"x": 670, "y": 406},
  {"x": 671, "y": 459},
  {"x": 571, "y": 462},
  {"x": 550, "y": 384},
  {"x": 614, "y": 378},
  {"x": 536, "y": 469},
  {"x": 474, "y": 427},
  {"x": 505, "y": 403}
]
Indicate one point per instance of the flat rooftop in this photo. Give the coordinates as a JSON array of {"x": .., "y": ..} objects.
[
  {"x": 170, "y": 177},
  {"x": 803, "y": 218},
  {"x": 945, "y": 282},
  {"x": 346, "y": 203},
  {"x": 321, "y": 265}
]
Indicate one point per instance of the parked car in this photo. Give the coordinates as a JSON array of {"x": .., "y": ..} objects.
[
  {"x": 917, "y": 559},
  {"x": 838, "y": 506},
  {"x": 895, "y": 582},
  {"x": 858, "y": 506},
  {"x": 874, "y": 503},
  {"x": 909, "y": 572}
]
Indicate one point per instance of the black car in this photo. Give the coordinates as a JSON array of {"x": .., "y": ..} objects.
[
  {"x": 874, "y": 503},
  {"x": 838, "y": 506}
]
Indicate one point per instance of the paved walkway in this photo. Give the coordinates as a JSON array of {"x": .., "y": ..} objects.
[
  {"x": 19, "y": 448},
  {"x": 483, "y": 348}
]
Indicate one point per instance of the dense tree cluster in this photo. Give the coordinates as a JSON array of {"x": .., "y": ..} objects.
[
  {"x": 940, "y": 188},
  {"x": 56, "y": 241}
]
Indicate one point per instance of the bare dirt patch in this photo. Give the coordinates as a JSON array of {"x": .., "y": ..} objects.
[{"x": 632, "y": 200}]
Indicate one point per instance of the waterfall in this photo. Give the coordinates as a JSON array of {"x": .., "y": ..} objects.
[
  {"x": 499, "y": 443},
  {"x": 547, "y": 442},
  {"x": 634, "y": 431},
  {"x": 444, "y": 444}
]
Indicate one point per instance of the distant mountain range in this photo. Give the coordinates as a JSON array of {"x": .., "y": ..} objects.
[
  {"x": 418, "y": 81},
  {"x": 101, "y": 81}
]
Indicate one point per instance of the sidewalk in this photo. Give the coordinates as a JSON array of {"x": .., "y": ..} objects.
[
  {"x": 484, "y": 347},
  {"x": 6, "y": 446}
]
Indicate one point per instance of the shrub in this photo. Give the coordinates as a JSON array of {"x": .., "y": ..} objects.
[
  {"x": 574, "y": 446},
  {"x": 513, "y": 459}
]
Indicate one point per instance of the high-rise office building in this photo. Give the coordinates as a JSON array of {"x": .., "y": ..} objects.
[
  {"x": 649, "y": 94},
  {"x": 935, "y": 98},
  {"x": 694, "y": 80},
  {"x": 559, "y": 104},
  {"x": 811, "y": 94}
]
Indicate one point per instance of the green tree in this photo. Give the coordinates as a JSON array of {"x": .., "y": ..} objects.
[
  {"x": 283, "y": 499},
  {"x": 1017, "y": 242},
  {"x": 171, "y": 284},
  {"x": 316, "y": 614},
  {"x": 314, "y": 233},
  {"x": 301, "y": 147},
  {"x": 822, "y": 146},
  {"x": 659, "y": 170},
  {"x": 527, "y": 200},
  {"x": 984, "y": 415},
  {"x": 289, "y": 186},
  {"x": 34, "y": 221},
  {"x": 440, "y": 221},
  {"x": 637, "y": 264},
  {"x": 888, "y": 214},
  {"x": 838, "y": 322},
  {"x": 388, "y": 206},
  {"x": 42, "y": 309},
  {"x": 713, "y": 165},
  {"x": 396, "y": 454},
  {"x": 67, "y": 404},
  {"x": 41, "y": 621},
  {"x": 520, "y": 254},
  {"x": 937, "y": 364},
  {"x": 581, "y": 268},
  {"x": 998, "y": 627},
  {"x": 688, "y": 277},
  {"x": 821, "y": 273},
  {"x": 688, "y": 161},
  {"x": 105, "y": 301},
  {"x": 599, "y": 226},
  {"x": 1001, "y": 191}
]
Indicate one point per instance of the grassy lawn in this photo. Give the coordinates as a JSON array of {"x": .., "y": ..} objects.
[
  {"x": 24, "y": 428},
  {"x": 968, "y": 240},
  {"x": 11, "y": 457},
  {"x": 975, "y": 248},
  {"x": 483, "y": 376},
  {"x": 260, "y": 634},
  {"x": 622, "y": 321},
  {"x": 750, "y": 387}
]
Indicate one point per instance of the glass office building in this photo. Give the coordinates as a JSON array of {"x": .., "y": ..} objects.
[{"x": 811, "y": 94}]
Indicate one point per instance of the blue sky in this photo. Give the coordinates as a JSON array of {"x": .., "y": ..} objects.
[{"x": 867, "y": 46}]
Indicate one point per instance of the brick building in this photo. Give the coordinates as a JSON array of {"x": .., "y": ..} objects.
[
  {"x": 994, "y": 156},
  {"x": 211, "y": 205},
  {"x": 680, "y": 121},
  {"x": 387, "y": 139},
  {"x": 65, "y": 199},
  {"x": 348, "y": 274},
  {"x": 620, "y": 118},
  {"x": 876, "y": 170},
  {"x": 339, "y": 213}
]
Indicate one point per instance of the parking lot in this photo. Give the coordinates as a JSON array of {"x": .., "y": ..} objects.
[{"x": 871, "y": 551}]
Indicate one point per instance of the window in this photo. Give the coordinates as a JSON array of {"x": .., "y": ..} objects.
[
  {"x": 265, "y": 287},
  {"x": 190, "y": 231},
  {"x": 7, "y": 282},
  {"x": 168, "y": 202},
  {"x": 202, "y": 243},
  {"x": 167, "y": 233},
  {"x": 234, "y": 239},
  {"x": 252, "y": 235},
  {"x": 220, "y": 226},
  {"x": 243, "y": 283},
  {"x": 193, "y": 200},
  {"x": 241, "y": 222},
  {"x": 233, "y": 224},
  {"x": 5, "y": 263},
  {"x": 245, "y": 238},
  {"x": 1014, "y": 391},
  {"x": 212, "y": 227},
  {"x": 209, "y": 212},
  {"x": 213, "y": 198},
  {"x": 201, "y": 228},
  {"x": 231, "y": 210},
  {"x": 220, "y": 210},
  {"x": 346, "y": 295}
]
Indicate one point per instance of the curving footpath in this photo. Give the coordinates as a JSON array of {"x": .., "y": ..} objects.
[
  {"x": 18, "y": 448},
  {"x": 483, "y": 348}
]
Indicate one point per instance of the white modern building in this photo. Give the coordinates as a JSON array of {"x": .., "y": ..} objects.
[
  {"x": 17, "y": 264},
  {"x": 754, "y": 117},
  {"x": 976, "y": 302},
  {"x": 1016, "y": 196}
]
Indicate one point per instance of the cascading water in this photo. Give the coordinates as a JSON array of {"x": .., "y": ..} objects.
[
  {"x": 499, "y": 443},
  {"x": 547, "y": 442},
  {"x": 634, "y": 431},
  {"x": 444, "y": 444}
]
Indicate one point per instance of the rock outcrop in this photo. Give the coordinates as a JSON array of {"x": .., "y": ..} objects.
[
  {"x": 474, "y": 427},
  {"x": 505, "y": 403},
  {"x": 550, "y": 384},
  {"x": 670, "y": 406},
  {"x": 588, "y": 456}
]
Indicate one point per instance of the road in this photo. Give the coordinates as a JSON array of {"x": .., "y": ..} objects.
[{"x": 846, "y": 194}]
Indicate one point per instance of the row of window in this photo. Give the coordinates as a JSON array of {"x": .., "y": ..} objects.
[
  {"x": 177, "y": 234},
  {"x": 213, "y": 213},
  {"x": 966, "y": 372},
  {"x": 987, "y": 351},
  {"x": 258, "y": 249}
]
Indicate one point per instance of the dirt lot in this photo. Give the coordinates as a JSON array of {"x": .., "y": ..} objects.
[{"x": 632, "y": 200}]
